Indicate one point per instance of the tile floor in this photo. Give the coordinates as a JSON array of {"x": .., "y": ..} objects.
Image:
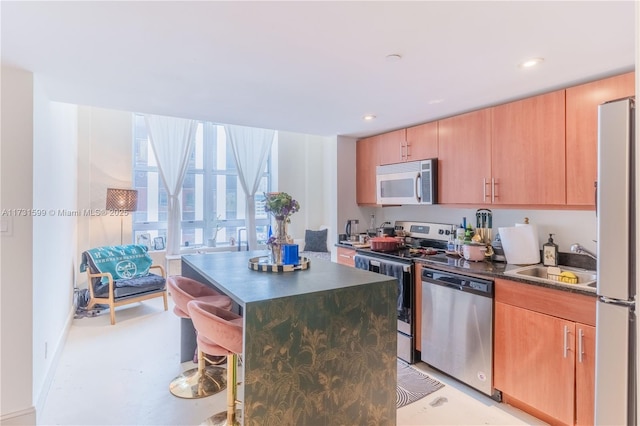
[{"x": 119, "y": 375}]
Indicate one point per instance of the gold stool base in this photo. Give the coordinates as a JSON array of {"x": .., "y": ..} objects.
[
  {"x": 220, "y": 419},
  {"x": 191, "y": 385}
]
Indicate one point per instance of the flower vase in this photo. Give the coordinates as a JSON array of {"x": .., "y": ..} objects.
[{"x": 281, "y": 239}]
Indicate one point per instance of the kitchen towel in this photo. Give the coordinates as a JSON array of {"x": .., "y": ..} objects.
[{"x": 520, "y": 244}]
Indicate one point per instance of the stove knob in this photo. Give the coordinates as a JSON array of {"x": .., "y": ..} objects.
[{"x": 440, "y": 231}]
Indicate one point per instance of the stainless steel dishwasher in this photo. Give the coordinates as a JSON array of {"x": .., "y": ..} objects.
[{"x": 457, "y": 327}]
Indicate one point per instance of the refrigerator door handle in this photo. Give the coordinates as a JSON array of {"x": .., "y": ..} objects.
[
  {"x": 618, "y": 302},
  {"x": 595, "y": 196},
  {"x": 566, "y": 341}
]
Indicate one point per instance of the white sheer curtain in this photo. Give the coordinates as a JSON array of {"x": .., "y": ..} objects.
[
  {"x": 172, "y": 140},
  {"x": 251, "y": 148}
]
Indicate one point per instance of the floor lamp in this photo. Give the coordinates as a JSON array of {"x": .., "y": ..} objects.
[{"x": 122, "y": 201}]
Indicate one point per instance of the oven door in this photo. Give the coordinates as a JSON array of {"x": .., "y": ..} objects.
[{"x": 403, "y": 272}]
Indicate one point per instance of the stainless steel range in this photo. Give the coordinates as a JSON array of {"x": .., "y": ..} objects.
[{"x": 420, "y": 239}]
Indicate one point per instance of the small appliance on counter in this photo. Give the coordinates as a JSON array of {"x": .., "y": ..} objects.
[
  {"x": 385, "y": 230},
  {"x": 351, "y": 229},
  {"x": 498, "y": 251}
]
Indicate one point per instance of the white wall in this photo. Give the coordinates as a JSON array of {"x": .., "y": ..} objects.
[
  {"x": 304, "y": 168},
  {"x": 16, "y": 248},
  {"x": 54, "y": 157},
  {"x": 568, "y": 226},
  {"x": 111, "y": 149},
  {"x": 346, "y": 191},
  {"x": 54, "y": 234},
  {"x": 105, "y": 150}
]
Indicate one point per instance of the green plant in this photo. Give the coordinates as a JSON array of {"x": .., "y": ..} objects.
[{"x": 281, "y": 205}]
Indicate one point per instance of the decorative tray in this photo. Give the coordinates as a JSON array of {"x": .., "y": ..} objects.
[{"x": 263, "y": 264}]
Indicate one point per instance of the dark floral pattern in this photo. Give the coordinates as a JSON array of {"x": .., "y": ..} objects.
[{"x": 323, "y": 359}]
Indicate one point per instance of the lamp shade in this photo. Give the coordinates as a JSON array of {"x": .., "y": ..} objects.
[{"x": 122, "y": 199}]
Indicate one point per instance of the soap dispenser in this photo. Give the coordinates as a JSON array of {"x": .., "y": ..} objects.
[{"x": 550, "y": 252}]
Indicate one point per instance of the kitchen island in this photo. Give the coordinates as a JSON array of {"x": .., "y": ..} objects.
[{"x": 319, "y": 344}]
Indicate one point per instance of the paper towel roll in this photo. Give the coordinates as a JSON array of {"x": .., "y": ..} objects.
[{"x": 520, "y": 244}]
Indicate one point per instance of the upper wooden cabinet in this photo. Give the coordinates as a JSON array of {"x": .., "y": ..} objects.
[
  {"x": 422, "y": 142},
  {"x": 528, "y": 151},
  {"x": 464, "y": 158},
  {"x": 393, "y": 147},
  {"x": 582, "y": 133},
  {"x": 540, "y": 151},
  {"x": 367, "y": 158}
]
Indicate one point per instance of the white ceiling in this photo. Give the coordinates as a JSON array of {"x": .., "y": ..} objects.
[{"x": 313, "y": 67}]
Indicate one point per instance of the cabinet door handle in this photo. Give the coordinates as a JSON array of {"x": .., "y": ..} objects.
[
  {"x": 402, "y": 151},
  {"x": 408, "y": 153},
  {"x": 493, "y": 190},
  {"x": 484, "y": 189},
  {"x": 345, "y": 255},
  {"x": 580, "y": 345},
  {"x": 565, "y": 344}
]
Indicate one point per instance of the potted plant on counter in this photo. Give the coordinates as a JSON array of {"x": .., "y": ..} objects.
[{"x": 281, "y": 205}]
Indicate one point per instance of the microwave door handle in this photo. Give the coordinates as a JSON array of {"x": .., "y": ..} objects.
[{"x": 419, "y": 187}]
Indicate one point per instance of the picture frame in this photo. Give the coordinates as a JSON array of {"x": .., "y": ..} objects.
[
  {"x": 144, "y": 239},
  {"x": 158, "y": 243}
]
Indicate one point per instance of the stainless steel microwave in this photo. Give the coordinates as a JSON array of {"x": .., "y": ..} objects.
[{"x": 413, "y": 182}]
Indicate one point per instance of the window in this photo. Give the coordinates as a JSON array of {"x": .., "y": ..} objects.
[{"x": 212, "y": 197}]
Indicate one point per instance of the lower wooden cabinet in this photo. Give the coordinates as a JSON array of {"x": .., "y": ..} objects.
[
  {"x": 544, "y": 358},
  {"x": 585, "y": 374},
  {"x": 346, "y": 256}
]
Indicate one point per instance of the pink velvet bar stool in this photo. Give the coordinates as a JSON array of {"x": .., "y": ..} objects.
[
  {"x": 204, "y": 380},
  {"x": 220, "y": 331}
]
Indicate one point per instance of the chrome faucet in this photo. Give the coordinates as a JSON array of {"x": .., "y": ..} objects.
[{"x": 577, "y": 248}]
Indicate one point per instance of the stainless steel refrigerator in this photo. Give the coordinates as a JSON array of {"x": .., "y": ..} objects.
[{"x": 615, "y": 400}]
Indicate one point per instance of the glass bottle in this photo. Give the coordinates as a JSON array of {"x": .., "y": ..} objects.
[{"x": 550, "y": 252}]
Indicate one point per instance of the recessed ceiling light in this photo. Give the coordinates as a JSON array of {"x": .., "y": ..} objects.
[
  {"x": 369, "y": 117},
  {"x": 435, "y": 101},
  {"x": 394, "y": 57},
  {"x": 530, "y": 62}
]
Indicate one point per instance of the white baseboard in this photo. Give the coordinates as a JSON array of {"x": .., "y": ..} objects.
[
  {"x": 26, "y": 417},
  {"x": 44, "y": 391}
]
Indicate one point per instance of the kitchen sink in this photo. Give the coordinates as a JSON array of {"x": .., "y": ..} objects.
[{"x": 586, "y": 278}]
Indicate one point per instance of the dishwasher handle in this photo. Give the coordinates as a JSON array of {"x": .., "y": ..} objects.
[
  {"x": 442, "y": 283},
  {"x": 463, "y": 283}
]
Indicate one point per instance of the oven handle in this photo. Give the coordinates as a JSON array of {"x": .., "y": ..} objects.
[
  {"x": 442, "y": 283},
  {"x": 377, "y": 262}
]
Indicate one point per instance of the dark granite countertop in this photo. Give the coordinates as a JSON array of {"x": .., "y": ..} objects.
[
  {"x": 486, "y": 269},
  {"x": 229, "y": 271},
  {"x": 489, "y": 269}
]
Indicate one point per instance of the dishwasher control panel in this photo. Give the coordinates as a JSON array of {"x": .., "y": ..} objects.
[{"x": 459, "y": 282}]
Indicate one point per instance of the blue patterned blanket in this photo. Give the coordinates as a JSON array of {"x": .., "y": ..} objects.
[{"x": 123, "y": 262}]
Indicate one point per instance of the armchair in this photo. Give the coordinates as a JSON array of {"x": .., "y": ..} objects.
[{"x": 119, "y": 275}]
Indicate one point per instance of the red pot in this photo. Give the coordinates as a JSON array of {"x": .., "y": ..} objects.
[{"x": 386, "y": 244}]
